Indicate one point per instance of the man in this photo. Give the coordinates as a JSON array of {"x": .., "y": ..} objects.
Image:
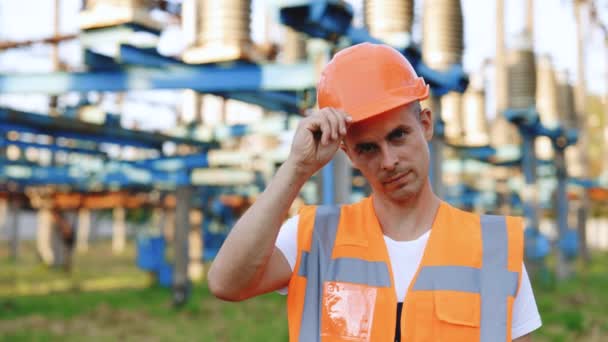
[
  {"x": 67, "y": 237},
  {"x": 400, "y": 265}
]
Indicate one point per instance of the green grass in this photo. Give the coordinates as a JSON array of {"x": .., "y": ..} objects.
[
  {"x": 572, "y": 310},
  {"x": 142, "y": 314},
  {"x": 575, "y": 309}
]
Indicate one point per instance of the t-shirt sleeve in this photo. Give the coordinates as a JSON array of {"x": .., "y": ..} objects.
[
  {"x": 287, "y": 243},
  {"x": 525, "y": 312}
]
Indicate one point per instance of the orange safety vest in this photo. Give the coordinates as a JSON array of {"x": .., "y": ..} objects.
[{"x": 342, "y": 287}]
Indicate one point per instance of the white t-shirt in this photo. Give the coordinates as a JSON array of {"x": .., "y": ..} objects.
[{"x": 405, "y": 257}]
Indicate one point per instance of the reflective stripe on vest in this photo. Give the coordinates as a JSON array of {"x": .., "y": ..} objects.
[
  {"x": 493, "y": 281},
  {"x": 318, "y": 267}
]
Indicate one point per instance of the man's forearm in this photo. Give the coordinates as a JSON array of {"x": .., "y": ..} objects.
[{"x": 241, "y": 260}]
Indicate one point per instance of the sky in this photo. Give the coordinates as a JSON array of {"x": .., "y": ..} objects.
[{"x": 554, "y": 34}]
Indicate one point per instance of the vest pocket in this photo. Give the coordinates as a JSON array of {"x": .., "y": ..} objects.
[
  {"x": 455, "y": 307},
  {"x": 458, "y": 315},
  {"x": 347, "y": 311}
]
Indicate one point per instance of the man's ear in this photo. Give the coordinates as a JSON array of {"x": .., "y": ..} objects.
[
  {"x": 346, "y": 151},
  {"x": 427, "y": 123}
]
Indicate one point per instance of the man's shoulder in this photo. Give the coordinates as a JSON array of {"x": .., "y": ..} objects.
[{"x": 469, "y": 214}]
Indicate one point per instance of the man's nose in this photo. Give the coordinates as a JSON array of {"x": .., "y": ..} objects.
[{"x": 389, "y": 159}]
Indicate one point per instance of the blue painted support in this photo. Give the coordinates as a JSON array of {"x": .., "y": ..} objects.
[
  {"x": 436, "y": 150},
  {"x": 76, "y": 129},
  {"x": 325, "y": 19},
  {"x": 50, "y": 147},
  {"x": 150, "y": 252},
  {"x": 290, "y": 102},
  {"x": 36, "y": 175},
  {"x": 172, "y": 164},
  {"x": 98, "y": 62},
  {"x": 328, "y": 183},
  {"x": 480, "y": 153},
  {"x": 560, "y": 142},
  {"x": 561, "y": 194},
  {"x": 330, "y": 20},
  {"x": 359, "y": 35},
  {"x": 529, "y": 170},
  {"x": 441, "y": 82},
  {"x": 585, "y": 183},
  {"x": 126, "y": 176},
  {"x": 528, "y": 123},
  {"x": 203, "y": 78},
  {"x": 147, "y": 57}
]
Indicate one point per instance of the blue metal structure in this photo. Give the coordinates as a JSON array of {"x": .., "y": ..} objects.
[
  {"x": 51, "y": 147},
  {"x": 530, "y": 127},
  {"x": 142, "y": 69},
  {"x": 13, "y": 120},
  {"x": 331, "y": 20}
]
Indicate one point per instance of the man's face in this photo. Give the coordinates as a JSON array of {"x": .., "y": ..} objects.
[{"x": 391, "y": 150}]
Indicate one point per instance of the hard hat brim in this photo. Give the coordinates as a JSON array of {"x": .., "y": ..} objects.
[{"x": 394, "y": 99}]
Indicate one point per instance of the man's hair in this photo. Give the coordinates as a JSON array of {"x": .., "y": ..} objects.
[{"x": 415, "y": 108}]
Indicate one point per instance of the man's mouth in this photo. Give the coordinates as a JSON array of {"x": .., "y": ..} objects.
[{"x": 395, "y": 178}]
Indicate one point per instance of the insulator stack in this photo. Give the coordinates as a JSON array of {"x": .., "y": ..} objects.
[
  {"x": 451, "y": 113},
  {"x": 390, "y": 20},
  {"x": 103, "y": 13},
  {"x": 522, "y": 79},
  {"x": 442, "y": 33},
  {"x": 546, "y": 93},
  {"x": 474, "y": 118},
  {"x": 294, "y": 46},
  {"x": 224, "y": 32},
  {"x": 565, "y": 102}
]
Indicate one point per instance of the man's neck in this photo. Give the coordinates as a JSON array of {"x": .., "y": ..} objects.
[{"x": 408, "y": 220}]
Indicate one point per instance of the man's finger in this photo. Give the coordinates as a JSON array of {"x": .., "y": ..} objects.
[{"x": 333, "y": 120}]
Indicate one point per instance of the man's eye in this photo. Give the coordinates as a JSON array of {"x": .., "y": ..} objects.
[
  {"x": 366, "y": 148},
  {"x": 399, "y": 134}
]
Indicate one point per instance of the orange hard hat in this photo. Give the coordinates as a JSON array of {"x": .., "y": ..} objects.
[{"x": 368, "y": 79}]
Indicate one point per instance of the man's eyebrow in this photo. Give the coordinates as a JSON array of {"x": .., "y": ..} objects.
[
  {"x": 365, "y": 143},
  {"x": 397, "y": 129}
]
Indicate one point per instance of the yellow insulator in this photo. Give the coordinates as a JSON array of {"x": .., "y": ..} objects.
[
  {"x": 442, "y": 33},
  {"x": 103, "y": 13},
  {"x": 451, "y": 113},
  {"x": 546, "y": 93},
  {"x": 573, "y": 161},
  {"x": 224, "y": 32},
  {"x": 522, "y": 78},
  {"x": 474, "y": 118},
  {"x": 544, "y": 148},
  {"x": 294, "y": 46},
  {"x": 428, "y": 103},
  {"x": 503, "y": 133},
  {"x": 390, "y": 20},
  {"x": 565, "y": 101}
]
